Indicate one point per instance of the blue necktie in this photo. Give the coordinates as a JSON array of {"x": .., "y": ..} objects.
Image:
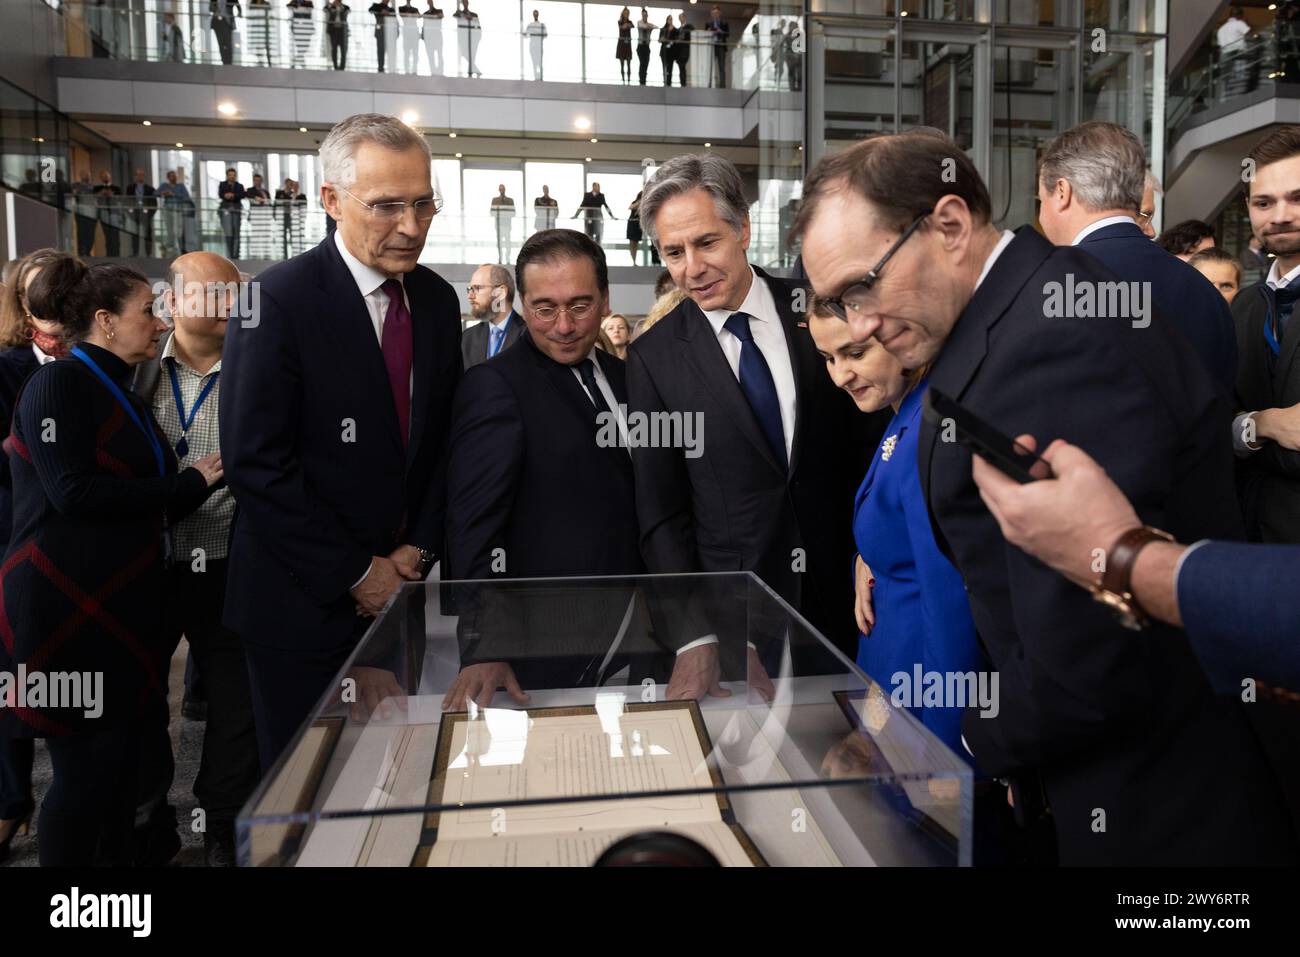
[
  {"x": 494, "y": 345},
  {"x": 757, "y": 384},
  {"x": 1281, "y": 303}
]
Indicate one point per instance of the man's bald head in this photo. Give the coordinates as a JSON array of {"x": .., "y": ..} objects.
[{"x": 203, "y": 292}]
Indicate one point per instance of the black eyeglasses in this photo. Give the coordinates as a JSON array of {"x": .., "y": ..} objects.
[{"x": 837, "y": 305}]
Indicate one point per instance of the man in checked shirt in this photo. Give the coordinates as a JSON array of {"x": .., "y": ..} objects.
[{"x": 182, "y": 386}]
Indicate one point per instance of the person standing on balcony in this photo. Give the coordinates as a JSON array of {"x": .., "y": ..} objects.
[
  {"x": 792, "y": 50},
  {"x": 623, "y": 51},
  {"x": 174, "y": 196},
  {"x": 1231, "y": 37},
  {"x": 503, "y": 215},
  {"x": 468, "y": 33},
  {"x": 223, "y": 13},
  {"x": 143, "y": 205},
  {"x": 720, "y": 31},
  {"x": 384, "y": 29},
  {"x": 108, "y": 199},
  {"x": 682, "y": 50},
  {"x": 643, "y": 30},
  {"x": 302, "y": 28},
  {"x": 667, "y": 38},
  {"x": 536, "y": 33},
  {"x": 336, "y": 29},
  {"x": 432, "y": 39},
  {"x": 261, "y": 220},
  {"x": 171, "y": 42},
  {"x": 591, "y": 210},
  {"x": 545, "y": 210},
  {"x": 231, "y": 209},
  {"x": 410, "y": 37}
]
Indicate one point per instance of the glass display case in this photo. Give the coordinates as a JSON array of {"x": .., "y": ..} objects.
[{"x": 556, "y": 722}]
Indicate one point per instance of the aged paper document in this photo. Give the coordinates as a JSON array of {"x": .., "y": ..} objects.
[{"x": 502, "y": 757}]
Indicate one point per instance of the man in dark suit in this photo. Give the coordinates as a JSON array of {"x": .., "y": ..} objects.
[
  {"x": 593, "y": 209},
  {"x": 143, "y": 206},
  {"x": 335, "y": 413},
  {"x": 771, "y": 489},
  {"x": 1105, "y": 729},
  {"x": 1267, "y": 430},
  {"x": 231, "y": 210},
  {"x": 537, "y": 489},
  {"x": 491, "y": 297},
  {"x": 1090, "y": 188}
]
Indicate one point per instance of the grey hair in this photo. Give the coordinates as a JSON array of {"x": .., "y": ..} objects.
[
  {"x": 1102, "y": 162},
  {"x": 707, "y": 171},
  {"x": 338, "y": 149},
  {"x": 1152, "y": 183}
]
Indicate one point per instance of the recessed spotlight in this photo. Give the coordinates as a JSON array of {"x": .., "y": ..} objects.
[
  {"x": 587, "y": 159},
  {"x": 594, "y": 140},
  {"x": 582, "y": 123},
  {"x": 226, "y": 108},
  {"x": 459, "y": 155},
  {"x": 38, "y": 139},
  {"x": 708, "y": 145},
  {"x": 302, "y": 129},
  {"x": 410, "y": 117},
  {"x": 180, "y": 146},
  {"x": 902, "y": 13},
  {"x": 451, "y": 136},
  {"x": 146, "y": 122},
  {"x": 801, "y": 149}
]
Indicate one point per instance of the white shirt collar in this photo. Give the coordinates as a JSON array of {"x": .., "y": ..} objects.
[
  {"x": 758, "y": 304},
  {"x": 1003, "y": 243},
  {"x": 367, "y": 278},
  {"x": 1100, "y": 224},
  {"x": 501, "y": 324},
  {"x": 169, "y": 352},
  {"x": 41, "y": 356},
  {"x": 1277, "y": 282}
]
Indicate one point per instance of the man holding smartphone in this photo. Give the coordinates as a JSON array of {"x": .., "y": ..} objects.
[{"x": 1122, "y": 741}]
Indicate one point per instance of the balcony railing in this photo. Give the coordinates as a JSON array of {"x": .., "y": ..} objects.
[
  {"x": 274, "y": 36},
  {"x": 1259, "y": 61},
  {"x": 130, "y": 227}
]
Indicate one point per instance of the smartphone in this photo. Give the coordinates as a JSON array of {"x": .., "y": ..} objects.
[{"x": 1005, "y": 454}]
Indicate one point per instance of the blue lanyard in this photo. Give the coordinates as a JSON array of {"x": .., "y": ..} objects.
[
  {"x": 180, "y": 405},
  {"x": 126, "y": 405}
]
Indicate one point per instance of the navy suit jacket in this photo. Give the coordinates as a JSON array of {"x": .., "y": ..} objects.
[
  {"x": 474, "y": 340},
  {"x": 312, "y": 451},
  {"x": 16, "y": 365},
  {"x": 532, "y": 493},
  {"x": 1240, "y": 607},
  {"x": 1101, "y": 718},
  {"x": 1181, "y": 295}
]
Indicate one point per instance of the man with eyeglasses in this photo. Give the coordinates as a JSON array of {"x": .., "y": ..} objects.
[
  {"x": 771, "y": 490},
  {"x": 1103, "y": 732},
  {"x": 540, "y": 485},
  {"x": 335, "y": 412},
  {"x": 491, "y": 295}
]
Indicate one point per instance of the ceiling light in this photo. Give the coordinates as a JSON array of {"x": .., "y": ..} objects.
[
  {"x": 451, "y": 135},
  {"x": 38, "y": 139},
  {"x": 459, "y": 155},
  {"x": 587, "y": 159},
  {"x": 146, "y": 122},
  {"x": 708, "y": 145},
  {"x": 180, "y": 146},
  {"x": 226, "y": 108},
  {"x": 302, "y": 129},
  {"x": 410, "y": 117},
  {"x": 594, "y": 140},
  {"x": 582, "y": 123}
]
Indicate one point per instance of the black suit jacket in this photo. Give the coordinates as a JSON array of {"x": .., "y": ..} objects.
[
  {"x": 474, "y": 340},
  {"x": 531, "y": 494},
  {"x": 1269, "y": 478},
  {"x": 16, "y": 365},
  {"x": 1182, "y": 296},
  {"x": 734, "y": 508},
  {"x": 1107, "y": 719},
  {"x": 312, "y": 452}
]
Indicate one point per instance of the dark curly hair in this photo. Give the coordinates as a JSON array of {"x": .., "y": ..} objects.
[{"x": 71, "y": 292}]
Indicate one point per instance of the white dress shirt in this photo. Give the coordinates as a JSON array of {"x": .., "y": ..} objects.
[
  {"x": 1243, "y": 449},
  {"x": 1276, "y": 281},
  {"x": 1003, "y": 243},
  {"x": 1100, "y": 224},
  {"x": 41, "y": 357},
  {"x": 769, "y": 335}
]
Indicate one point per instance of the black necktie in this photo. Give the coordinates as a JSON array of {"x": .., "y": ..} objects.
[{"x": 589, "y": 380}]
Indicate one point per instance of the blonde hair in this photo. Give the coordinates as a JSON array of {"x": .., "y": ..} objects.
[{"x": 663, "y": 305}]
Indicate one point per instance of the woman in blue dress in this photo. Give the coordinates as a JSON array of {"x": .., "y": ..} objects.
[{"x": 911, "y": 604}]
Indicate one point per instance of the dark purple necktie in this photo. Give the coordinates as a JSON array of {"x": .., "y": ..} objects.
[{"x": 396, "y": 345}]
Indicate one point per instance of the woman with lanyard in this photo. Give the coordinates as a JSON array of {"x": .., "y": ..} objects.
[{"x": 95, "y": 488}]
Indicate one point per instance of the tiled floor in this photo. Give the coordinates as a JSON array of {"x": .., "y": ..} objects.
[{"x": 187, "y": 742}]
